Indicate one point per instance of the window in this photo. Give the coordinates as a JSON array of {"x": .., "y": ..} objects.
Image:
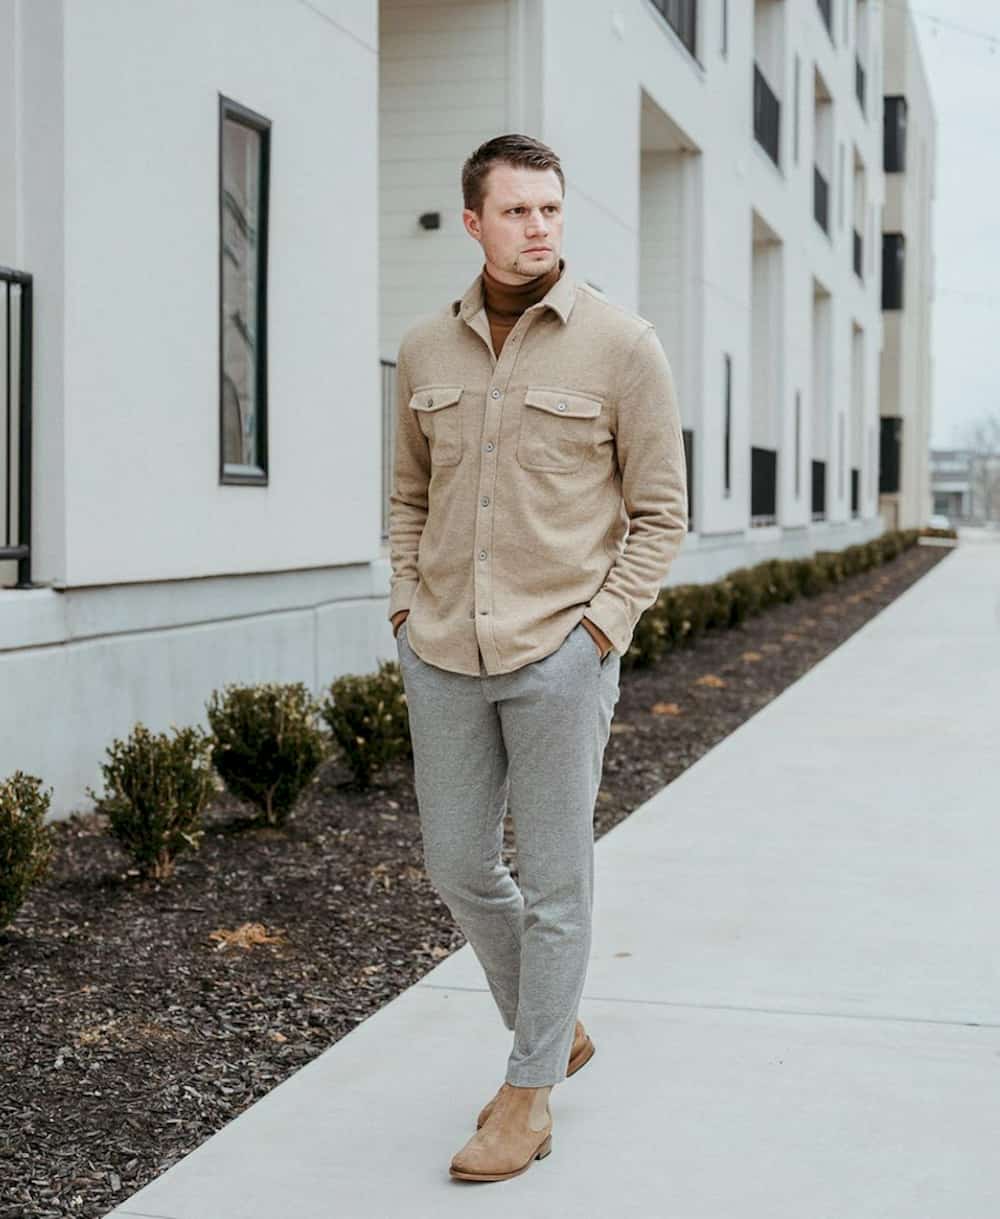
[
  {"x": 682, "y": 17},
  {"x": 244, "y": 171},
  {"x": 894, "y": 135},
  {"x": 727, "y": 434},
  {"x": 826, "y": 14},
  {"x": 890, "y": 453},
  {"x": 893, "y": 251}
]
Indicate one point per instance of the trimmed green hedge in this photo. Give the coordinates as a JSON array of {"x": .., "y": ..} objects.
[{"x": 682, "y": 612}]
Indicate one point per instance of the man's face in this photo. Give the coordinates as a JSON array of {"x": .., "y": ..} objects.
[{"x": 520, "y": 229}]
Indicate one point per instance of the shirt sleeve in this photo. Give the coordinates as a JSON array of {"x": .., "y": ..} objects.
[
  {"x": 650, "y": 450},
  {"x": 408, "y": 498}
]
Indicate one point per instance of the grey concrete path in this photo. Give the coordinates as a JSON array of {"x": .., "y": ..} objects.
[{"x": 794, "y": 988}]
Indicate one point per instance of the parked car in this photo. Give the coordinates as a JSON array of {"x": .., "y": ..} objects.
[{"x": 938, "y": 520}]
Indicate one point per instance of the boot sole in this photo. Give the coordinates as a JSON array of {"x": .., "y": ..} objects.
[
  {"x": 580, "y": 1059},
  {"x": 540, "y": 1154}
]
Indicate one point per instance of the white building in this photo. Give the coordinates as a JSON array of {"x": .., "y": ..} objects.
[
  {"x": 209, "y": 498},
  {"x": 907, "y": 278}
]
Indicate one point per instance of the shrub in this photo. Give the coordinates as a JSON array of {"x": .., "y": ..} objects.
[
  {"x": 830, "y": 564},
  {"x": 686, "y": 607},
  {"x": 781, "y": 583},
  {"x": 267, "y": 744},
  {"x": 156, "y": 791},
  {"x": 720, "y": 604},
  {"x": 650, "y": 639},
  {"x": 891, "y": 545},
  {"x": 853, "y": 558},
  {"x": 747, "y": 594},
  {"x": 25, "y": 842},
  {"x": 368, "y": 719}
]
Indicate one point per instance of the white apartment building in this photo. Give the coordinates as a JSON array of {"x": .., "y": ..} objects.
[
  {"x": 230, "y": 212},
  {"x": 907, "y": 366}
]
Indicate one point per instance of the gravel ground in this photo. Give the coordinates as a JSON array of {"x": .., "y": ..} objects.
[{"x": 139, "y": 1017}]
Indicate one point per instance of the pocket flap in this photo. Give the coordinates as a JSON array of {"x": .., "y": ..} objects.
[
  {"x": 433, "y": 397},
  {"x": 570, "y": 404}
]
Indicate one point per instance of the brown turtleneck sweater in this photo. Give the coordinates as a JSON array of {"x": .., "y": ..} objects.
[{"x": 506, "y": 302}]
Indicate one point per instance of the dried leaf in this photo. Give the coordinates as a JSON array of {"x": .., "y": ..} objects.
[{"x": 245, "y": 936}]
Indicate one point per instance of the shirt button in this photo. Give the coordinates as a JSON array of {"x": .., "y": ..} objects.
[
  {"x": 429, "y": 402},
  {"x": 482, "y": 554},
  {"x": 560, "y": 406},
  {"x": 486, "y": 500},
  {"x": 489, "y": 446},
  {"x": 494, "y": 393}
]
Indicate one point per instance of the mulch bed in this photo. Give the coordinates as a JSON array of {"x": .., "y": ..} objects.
[{"x": 139, "y": 1017}]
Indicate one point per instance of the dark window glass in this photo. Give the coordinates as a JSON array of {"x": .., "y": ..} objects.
[
  {"x": 894, "y": 135},
  {"x": 893, "y": 250},
  {"x": 889, "y": 453},
  {"x": 726, "y": 446},
  {"x": 682, "y": 17}
]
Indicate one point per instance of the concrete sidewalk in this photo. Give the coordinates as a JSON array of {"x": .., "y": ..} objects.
[{"x": 794, "y": 988}]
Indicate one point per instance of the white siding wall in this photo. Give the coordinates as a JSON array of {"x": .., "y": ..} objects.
[
  {"x": 140, "y": 287},
  {"x": 906, "y": 365},
  {"x": 444, "y": 88},
  {"x": 665, "y": 233}
]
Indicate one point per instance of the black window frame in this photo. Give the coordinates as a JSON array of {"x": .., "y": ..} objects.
[{"x": 232, "y": 111}]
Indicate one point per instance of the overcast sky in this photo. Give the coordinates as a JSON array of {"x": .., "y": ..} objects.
[{"x": 960, "y": 46}]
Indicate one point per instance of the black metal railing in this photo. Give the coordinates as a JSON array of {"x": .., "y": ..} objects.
[
  {"x": 818, "y": 490},
  {"x": 857, "y": 254},
  {"x": 388, "y": 437},
  {"x": 17, "y": 378},
  {"x": 682, "y": 17},
  {"x": 766, "y": 115},
  {"x": 855, "y": 490},
  {"x": 859, "y": 81},
  {"x": 688, "y": 435},
  {"x": 821, "y": 199},
  {"x": 825, "y": 8},
  {"x": 763, "y": 486}
]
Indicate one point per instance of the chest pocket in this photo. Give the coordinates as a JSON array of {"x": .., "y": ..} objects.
[
  {"x": 557, "y": 428},
  {"x": 440, "y": 420}
]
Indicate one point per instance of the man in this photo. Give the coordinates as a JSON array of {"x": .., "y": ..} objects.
[{"x": 539, "y": 499}]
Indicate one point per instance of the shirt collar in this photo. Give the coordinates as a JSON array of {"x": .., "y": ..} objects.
[{"x": 560, "y": 297}]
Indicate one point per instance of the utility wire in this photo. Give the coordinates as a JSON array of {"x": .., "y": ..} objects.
[{"x": 992, "y": 40}]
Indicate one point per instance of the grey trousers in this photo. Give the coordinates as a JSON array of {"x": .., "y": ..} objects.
[{"x": 534, "y": 738}]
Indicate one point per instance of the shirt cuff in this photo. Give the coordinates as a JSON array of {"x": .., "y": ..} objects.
[
  {"x": 400, "y": 596},
  {"x": 605, "y": 611}
]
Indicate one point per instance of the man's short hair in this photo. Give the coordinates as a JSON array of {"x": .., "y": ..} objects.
[{"x": 513, "y": 149}]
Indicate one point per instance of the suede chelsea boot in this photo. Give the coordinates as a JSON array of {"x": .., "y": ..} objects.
[
  {"x": 581, "y": 1052},
  {"x": 517, "y": 1132}
]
